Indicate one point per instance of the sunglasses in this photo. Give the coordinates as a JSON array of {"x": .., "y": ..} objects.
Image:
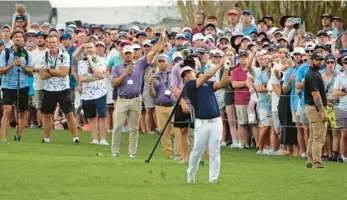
[
  {"x": 309, "y": 51},
  {"x": 217, "y": 57},
  {"x": 330, "y": 62},
  {"x": 161, "y": 61},
  {"x": 133, "y": 33},
  {"x": 345, "y": 63}
]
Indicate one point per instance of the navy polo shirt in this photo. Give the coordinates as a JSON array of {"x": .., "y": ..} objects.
[{"x": 203, "y": 100}]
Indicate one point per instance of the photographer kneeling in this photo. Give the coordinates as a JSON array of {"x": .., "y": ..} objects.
[{"x": 15, "y": 65}]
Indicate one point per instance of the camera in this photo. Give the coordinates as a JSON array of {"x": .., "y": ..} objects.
[
  {"x": 20, "y": 51},
  {"x": 85, "y": 58}
]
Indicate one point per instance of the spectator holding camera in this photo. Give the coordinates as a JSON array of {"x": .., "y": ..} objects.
[
  {"x": 160, "y": 89},
  {"x": 91, "y": 76},
  {"x": 15, "y": 66},
  {"x": 55, "y": 68},
  {"x": 128, "y": 78}
]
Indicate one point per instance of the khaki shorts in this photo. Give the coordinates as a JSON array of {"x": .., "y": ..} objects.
[
  {"x": 37, "y": 99},
  {"x": 264, "y": 118},
  {"x": 295, "y": 117},
  {"x": 241, "y": 114}
]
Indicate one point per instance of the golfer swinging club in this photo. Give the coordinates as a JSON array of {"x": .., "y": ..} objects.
[{"x": 208, "y": 123}]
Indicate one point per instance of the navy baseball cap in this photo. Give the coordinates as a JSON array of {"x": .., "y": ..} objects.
[
  {"x": 21, "y": 18},
  {"x": 141, "y": 33},
  {"x": 247, "y": 12},
  {"x": 343, "y": 50},
  {"x": 66, "y": 36},
  {"x": 330, "y": 57},
  {"x": 317, "y": 55},
  {"x": 243, "y": 53}
]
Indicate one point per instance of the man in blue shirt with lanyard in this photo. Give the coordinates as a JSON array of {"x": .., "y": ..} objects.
[
  {"x": 208, "y": 123},
  {"x": 19, "y": 61}
]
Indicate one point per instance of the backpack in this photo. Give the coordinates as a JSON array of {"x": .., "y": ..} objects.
[{"x": 7, "y": 55}]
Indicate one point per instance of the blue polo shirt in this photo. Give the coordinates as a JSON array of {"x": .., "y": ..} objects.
[
  {"x": 264, "y": 98},
  {"x": 293, "y": 96},
  {"x": 10, "y": 79},
  {"x": 203, "y": 100},
  {"x": 302, "y": 71}
]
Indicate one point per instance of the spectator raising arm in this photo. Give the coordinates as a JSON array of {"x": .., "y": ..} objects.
[{"x": 157, "y": 47}]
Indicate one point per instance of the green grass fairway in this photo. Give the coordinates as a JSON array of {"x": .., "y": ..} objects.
[{"x": 66, "y": 171}]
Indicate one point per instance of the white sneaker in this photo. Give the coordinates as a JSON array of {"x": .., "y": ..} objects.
[
  {"x": 104, "y": 142},
  {"x": 240, "y": 145},
  {"x": 132, "y": 156},
  {"x": 344, "y": 159},
  {"x": 233, "y": 145},
  {"x": 94, "y": 142},
  {"x": 223, "y": 144},
  {"x": 304, "y": 155},
  {"x": 260, "y": 153},
  {"x": 76, "y": 140},
  {"x": 190, "y": 178},
  {"x": 266, "y": 151}
]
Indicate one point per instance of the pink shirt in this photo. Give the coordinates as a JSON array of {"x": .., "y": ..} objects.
[{"x": 242, "y": 95}]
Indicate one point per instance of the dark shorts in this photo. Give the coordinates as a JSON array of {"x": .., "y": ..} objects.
[
  {"x": 181, "y": 119},
  {"x": 50, "y": 100},
  {"x": 9, "y": 97},
  {"x": 93, "y": 106}
]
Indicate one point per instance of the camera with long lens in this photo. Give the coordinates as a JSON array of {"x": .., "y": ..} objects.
[{"x": 189, "y": 54}]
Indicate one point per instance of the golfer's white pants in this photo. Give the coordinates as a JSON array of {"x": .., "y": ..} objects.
[{"x": 207, "y": 132}]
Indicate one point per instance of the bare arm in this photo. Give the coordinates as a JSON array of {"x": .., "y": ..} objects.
[
  {"x": 318, "y": 101},
  {"x": 77, "y": 52},
  {"x": 238, "y": 84},
  {"x": 261, "y": 89},
  {"x": 86, "y": 79},
  {"x": 156, "y": 47},
  {"x": 152, "y": 91},
  {"x": 276, "y": 88},
  {"x": 4, "y": 70},
  {"x": 44, "y": 75},
  {"x": 224, "y": 80},
  {"x": 61, "y": 72},
  {"x": 210, "y": 73}
]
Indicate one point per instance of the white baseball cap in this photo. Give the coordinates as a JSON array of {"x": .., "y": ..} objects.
[
  {"x": 127, "y": 49},
  {"x": 177, "y": 54},
  {"x": 185, "y": 69},
  {"x": 198, "y": 36}
]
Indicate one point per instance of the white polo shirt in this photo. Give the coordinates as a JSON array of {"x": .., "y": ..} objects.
[
  {"x": 56, "y": 84},
  {"x": 94, "y": 89}
]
